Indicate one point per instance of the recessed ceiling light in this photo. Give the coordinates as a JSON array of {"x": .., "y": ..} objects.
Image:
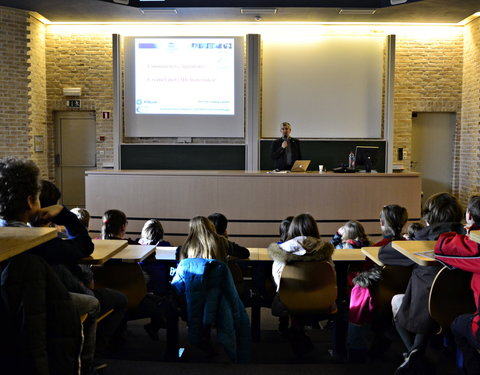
[
  {"x": 257, "y": 11},
  {"x": 357, "y": 11},
  {"x": 158, "y": 10}
]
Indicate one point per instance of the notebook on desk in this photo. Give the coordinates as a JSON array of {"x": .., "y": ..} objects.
[
  {"x": 300, "y": 166},
  {"x": 427, "y": 254}
]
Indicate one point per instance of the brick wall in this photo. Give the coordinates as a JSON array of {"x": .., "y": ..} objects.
[
  {"x": 430, "y": 71},
  {"x": 14, "y": 84},
  {"x": 22, "y": 86},
  {"x": 435, "y": 60},
  {"x": 38, "y": 96},
  {"x": 428, "y": 78},
  {"x": 468, "y": 144},
  {"x": 81, "y": 60}
]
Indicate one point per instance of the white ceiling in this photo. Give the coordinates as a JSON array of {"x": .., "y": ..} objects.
[{"x": 429, "y": 11}]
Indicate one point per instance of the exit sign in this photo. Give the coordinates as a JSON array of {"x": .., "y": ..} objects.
[{"x": 73, "y": 103}]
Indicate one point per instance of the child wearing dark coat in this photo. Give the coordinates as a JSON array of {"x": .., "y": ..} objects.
[{"x": 441, "y": 213}]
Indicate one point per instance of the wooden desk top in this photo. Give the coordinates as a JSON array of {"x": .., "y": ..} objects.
[
  {"x": 236, "y": 173},
  {"x": 475, "y": 235},
  {"x": 348, "y": 255},
  {"x": 104, "y": 250},
  {"x": 261, "y": 254},
  {"x": 339, "y": 255},
  {"x": 372, "y": 253},
  {"x": 135, "y": 253},
  {"x": 409, "y": 248},
  {"x": 16, "y": 240}
]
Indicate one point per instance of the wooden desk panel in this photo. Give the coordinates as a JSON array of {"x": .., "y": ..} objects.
[
  {"x": 348, "y": 255},
  {"x": 16, "y": 240},
  {"x": 255, "y": 203},
  {"x": 475, "y": 235},
  {"x": 409, "y": 248},
  {"x": 104, "y": 250},
  {"x": 261, "y": 254},
  {"x": 134, "y": 253},
  {"x": 372, "y": 253}
]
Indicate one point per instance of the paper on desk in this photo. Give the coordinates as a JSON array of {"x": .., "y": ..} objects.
[{"x": 427, "y": 254}]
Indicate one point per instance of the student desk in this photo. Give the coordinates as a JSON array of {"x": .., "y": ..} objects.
[
  {"x": 348, "y": 255},
  {"x": 339, "y": 255},
  {"x": 372, "y": 253},
  {"x": 103, "y": 251},
  {"x": 475, "y": 235},
  {"x": 122, "y": 273},
  {"x": 16, "y": 240},
  {"x": 260, "y": 256},
  {"x": 134, "y": 253},
  {"x": 411, "y": 249}
]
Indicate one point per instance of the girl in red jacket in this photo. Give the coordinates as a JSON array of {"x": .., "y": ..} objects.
[{"x": 460, "y": 251}]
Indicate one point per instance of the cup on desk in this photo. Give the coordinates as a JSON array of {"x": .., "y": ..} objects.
[{"x": 320, "y": 169}]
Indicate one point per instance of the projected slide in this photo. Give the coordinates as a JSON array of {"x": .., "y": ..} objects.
[{"x": 185, "y": 76}]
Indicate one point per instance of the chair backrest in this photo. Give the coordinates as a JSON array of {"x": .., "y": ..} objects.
[
  {"x": 237, "y": 276},
  {"x": 308, "y": 287},
  {"x": 450, "y": 296},
  {"x": 394, "y": 281},
  {"x": 127, "y": 278}
]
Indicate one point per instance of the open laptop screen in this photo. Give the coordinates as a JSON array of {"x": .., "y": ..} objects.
[{"x": 300, "y": 165}]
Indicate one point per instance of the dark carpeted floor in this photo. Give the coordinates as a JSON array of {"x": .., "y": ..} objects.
[{"x": 272, "y": 355}]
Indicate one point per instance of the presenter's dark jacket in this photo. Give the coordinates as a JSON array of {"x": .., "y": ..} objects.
[{"x": 279, "y": 154}]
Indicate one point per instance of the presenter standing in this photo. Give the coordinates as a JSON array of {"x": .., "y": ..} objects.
[{"x": 285, "y": 150}]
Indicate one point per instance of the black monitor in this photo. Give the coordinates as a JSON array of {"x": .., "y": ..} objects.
[{"x": 366, "y": 158}]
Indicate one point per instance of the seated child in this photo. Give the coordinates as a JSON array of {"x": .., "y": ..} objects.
[
  {"x": 20, "y": 207},
  {"x": 350, "y": 236},
  {"x": 204, "y": 254},
  {"x": 114, "y": 227},
  {"x": 441, "y": 213},
  {"x": 50, "y": 195},
  {"x": 79, "y": 281},
  {"x": 460, "y": 251},
  {"x": 361, "y": 320},
  {"x": 304, "y": 245},
  {"x": 411, "y": 230},
  {"x": 234, "y": 250},
  {"x": 283, "y": 229},
  {"x": 152, "y": 234},
  {"x": 82, "y": 214},
  {"x": 157, "y": 275}
]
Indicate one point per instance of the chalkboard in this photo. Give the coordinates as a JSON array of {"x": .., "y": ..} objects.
[
  {"x": 195, "y": 157},
  {"x": 328, "y": 153}
]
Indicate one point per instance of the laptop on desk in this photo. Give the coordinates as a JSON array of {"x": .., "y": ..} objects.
[{"x": 300, "y": 166}]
